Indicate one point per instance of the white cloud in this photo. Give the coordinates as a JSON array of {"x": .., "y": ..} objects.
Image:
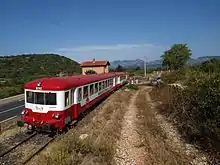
[
  {"x": 106, "y": 47},
  {"x": 112, "y": 52}
]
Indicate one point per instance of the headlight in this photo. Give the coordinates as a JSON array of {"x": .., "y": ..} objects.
[
  {"x": 24, "y": 112},
  {"x": 56, "y": 116}
]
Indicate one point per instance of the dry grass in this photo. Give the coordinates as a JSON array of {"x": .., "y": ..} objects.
[
  {"x": 100, "y": 128},
  {"x": 154, "y": 139},
  {"x": 7, "y": 137},
  {"x": 10, "y": 124}
]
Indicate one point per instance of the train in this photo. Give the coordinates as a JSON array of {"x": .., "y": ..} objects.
[{"x": 52, "y": 104}]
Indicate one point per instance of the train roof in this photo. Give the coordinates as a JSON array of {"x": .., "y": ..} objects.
[{"x": 64, "y": 83}]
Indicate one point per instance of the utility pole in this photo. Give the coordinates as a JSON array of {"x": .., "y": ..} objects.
[{"x": 145, "y": 64}]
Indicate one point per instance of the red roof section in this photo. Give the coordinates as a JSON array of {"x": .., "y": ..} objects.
[
  {"x": 95, "y": 63},
  {"x": 65, "y": 83}
]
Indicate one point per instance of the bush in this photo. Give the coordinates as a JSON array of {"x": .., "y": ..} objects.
[
  {"x": 196, "y": 109},
  {"x": 90, "y": 72},
  {"x": 132, "y": 87}
]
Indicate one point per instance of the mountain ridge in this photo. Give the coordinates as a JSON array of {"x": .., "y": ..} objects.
[{"x": 156, "y": 63}]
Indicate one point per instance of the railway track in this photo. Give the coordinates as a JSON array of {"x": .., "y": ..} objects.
[
  {"x": 17, "y": 154},
  {"x": 37, "y": 151},
  {"x": 18, "y": 144}
]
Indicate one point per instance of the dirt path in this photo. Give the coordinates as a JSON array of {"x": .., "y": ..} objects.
[{"x": 128, "y": 151}]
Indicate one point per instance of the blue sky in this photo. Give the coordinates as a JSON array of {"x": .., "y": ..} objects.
[{"x": 113, "y": 30}]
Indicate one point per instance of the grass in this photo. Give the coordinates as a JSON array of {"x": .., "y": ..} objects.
[
  {"x": 154, "y": 139},
  {"x": 101, "y": 129},
  {"x": 10, "y": 91}
]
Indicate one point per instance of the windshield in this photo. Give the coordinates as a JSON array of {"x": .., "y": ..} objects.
[{"x": 41, "y": 98}]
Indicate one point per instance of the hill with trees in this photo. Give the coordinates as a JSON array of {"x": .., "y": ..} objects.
[{"x": 16, "y": 70}]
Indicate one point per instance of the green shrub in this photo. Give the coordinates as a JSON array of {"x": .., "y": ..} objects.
[
  {"x": 197, "y": 108},
  {"x": 132, "y": 87}
]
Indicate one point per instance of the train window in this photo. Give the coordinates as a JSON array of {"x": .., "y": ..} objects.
[
  {"x": 108, "y": 84},
  {"x": 100, "y": 86},
  {"x": 91, "y": 89},
  {"x": 29, "y": 97},
  {"x": 72, "y": 96},
  {"x": 111, "y": 82},
  {"x": 67, "y": 98},
  {"x": 80, "y": 94},
  {"x": 50, "y": 98},
  {"x": 96, "y": 87},
  {"x": 85, "y": 92},
  {"x": 103, "y": 86},
  {"x": 39, "y": 98}
]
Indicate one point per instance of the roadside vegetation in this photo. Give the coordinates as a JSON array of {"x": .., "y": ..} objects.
[
  {"x": 194, "y": 105},
  {"x": 16, "y": 70},
  {"x": 132, "y": 87}
]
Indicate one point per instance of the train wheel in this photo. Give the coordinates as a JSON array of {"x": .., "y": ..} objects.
[
  {"x": 30, "y": 129},
  {"x": 59, "y": 131}
]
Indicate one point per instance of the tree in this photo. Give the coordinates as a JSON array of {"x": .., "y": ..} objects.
[
  {"x": 138, "y": 68},
  {"x": 90, "y": 72},
  {"x": 176, "y": 56},
  {"x": 119, "y": 68},
  {"x": 111, "y": 70}
]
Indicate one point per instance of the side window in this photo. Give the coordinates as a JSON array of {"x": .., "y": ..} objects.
[
  {"x": 96, "y": 88},
  {"x": 103, "y": 86},
  {"x": 111, "y": 82},
  {"x": 108, "y": 83},
  {"x": 91, "y": 89},
  {"x": 29, "y": 97},
  {"x": 67, "y": 99},
  {"x": 85, "y": 92},
  {"x": 72, "y": 96},
  {"x": 79, "y": 94},
  {"x": 100, "y": 86}
]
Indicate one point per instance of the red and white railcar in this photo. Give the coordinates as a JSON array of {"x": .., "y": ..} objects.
[{"x": 53, "y": 103}]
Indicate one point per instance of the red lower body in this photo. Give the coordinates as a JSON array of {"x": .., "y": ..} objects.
[{"x": 46, "y": 120}]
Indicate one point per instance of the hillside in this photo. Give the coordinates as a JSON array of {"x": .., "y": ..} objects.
[
  {"x": 156, "y": 63},
  {"x": 16, "y": 70}
]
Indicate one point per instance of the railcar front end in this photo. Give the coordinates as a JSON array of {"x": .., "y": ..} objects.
[{"x": 44, "y": 110}]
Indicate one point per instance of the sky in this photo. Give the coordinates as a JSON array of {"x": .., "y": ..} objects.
[{"x": 109, "y": 30}]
